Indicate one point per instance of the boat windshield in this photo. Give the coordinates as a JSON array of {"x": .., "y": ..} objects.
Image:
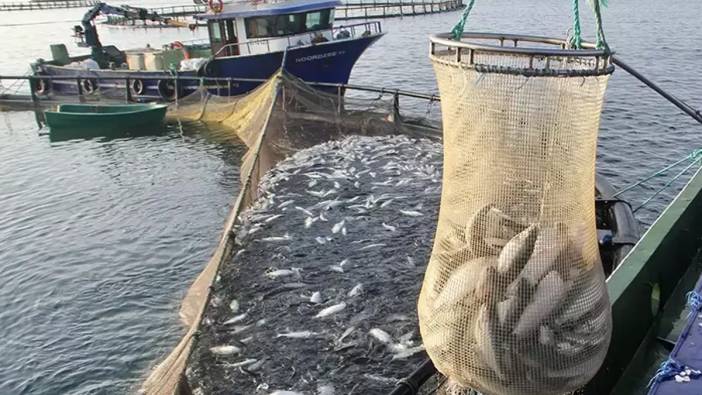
[{"x": 288, "y": 24}]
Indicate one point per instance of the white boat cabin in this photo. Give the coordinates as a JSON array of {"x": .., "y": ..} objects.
[{"x": 255, "y": 27}]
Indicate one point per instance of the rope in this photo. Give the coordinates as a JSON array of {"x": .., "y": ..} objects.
[
  {"x": 696, "y": 154},
  {"x": 668, "y": 369},
  {"x": 683, "y": 171},
  {"x": 576, "y": 40},
  {"x": 694, "y": 301},
  {"x": 457, "y": 31},
  {"x": 601, "y": 42}
]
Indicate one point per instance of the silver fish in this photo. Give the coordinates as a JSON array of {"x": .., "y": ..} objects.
[
  {"x": 517, "y": 252},
  {"x": 485, "y": 340},
  {"x": 325, "y": 389},
  {"x": 234, "y": 306},
  {"x": 549, "y": 245},
  {"x": 356, "y": 290},
  {"x": 411, "y": 213},
  {"x": 548, "y": 298},
  {"x": 381, "y": 335},
  {"x": 316, "y": 297},
  {"x": 320, "y": 240},
  {"x": 386, "y": 203},
  {"x": 283, "y": 392},
  {"x": 369, "y": 246},
  {"x": 336, "y": 268},
  {"x": 337, "y": 227},
  {"x": 225, "y": 350},
  {"x": 309, "y": 221},
  {"x": 286, "y": 203},
  {"x": 273, "y": 218},
  {"x": 285, "y": 237},
  {"x": 304, "y": 211},
  {"x": 319, "y": 194},
  {"x": 403, "y": 354},
  {"x": 297, "y": 335},
  {"x": 464, "y": 282},
  {"x": 344, "y": 335},
  {"x": 282, "y": 272},
  {"x": 235, "y": 319},
  {"x": 331, "y": 310},
  {"x": 242, "y": 363},
  {"x": 389, "y": 227}
]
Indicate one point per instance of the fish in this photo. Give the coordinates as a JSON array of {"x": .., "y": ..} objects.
[
  {"x": 304, "y": 211},
  {"x": 316, "y": 297},
  {"x": 356, "y": 290},
  {"x": 337, "y": 227},
  {"x": 380, "y": 379},
  {"x": 225, "y": 350},
  {"x": 256, "y": 365},
  {"x": 322, "y": 218},
  {"x": 309, "y": 221},
  {"x": 346, "y": 333},
  {"x": 282, "y": 272},
  {"x": 548, "y": 297},
  {"x": 369, "y": 246},
  {"x": 343, "y": 231},
  {"x": 320, "y": 240},
  {"x": 286, "y": 203},
  {"x": 284, "y": 392},
  {"x": 285, "y": 237},
  {"x": 239, "y": 328},
  {"x": 488, "y": 224},
  {"x": 371, "y": 173},
  {"x": 516, "y": 252},
  {"x": 297, "y": 335},
  {"x": 319, "y": 194},
  {"x": 336, "y": 268},
  {"x": 406, "y": 353},
  {"x": 381, "y": 335},
  {"x": 550, "y": 244},
  {"x": 325, "y": 389},
  {"x": 411, "y": 213},
  {"x": 235, "y": 319},
  {"x": 353, "y": 199},
  {"x": 386, "y": 203},
  {"x": 464, "y": 282},
  {"x": 234, "y": 306},
  {"x": 389, "y": 227},
  {"x": 485, "y": 336},
  {"x": 273, "y": 218},
  {"x": 331, "y": 310},
  {"x": 242, "y": 363}
]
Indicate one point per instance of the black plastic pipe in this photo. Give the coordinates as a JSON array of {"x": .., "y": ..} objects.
[
  {"x": 687, "y": 109},
  {"x": 410, "y": 384}
]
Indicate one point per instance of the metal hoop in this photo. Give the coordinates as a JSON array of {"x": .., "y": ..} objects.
[{"x": 531, "y": 56}]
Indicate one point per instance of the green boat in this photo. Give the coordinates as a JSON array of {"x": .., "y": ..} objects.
[{"x": 88, "y": 120}]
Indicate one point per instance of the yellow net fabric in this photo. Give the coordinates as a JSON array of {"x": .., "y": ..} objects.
[
  {"x": 279, "y": 118},
  {"x": 514, "y": 298}
]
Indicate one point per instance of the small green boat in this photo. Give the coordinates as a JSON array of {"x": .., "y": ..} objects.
[{"x": 89, "y": 120}]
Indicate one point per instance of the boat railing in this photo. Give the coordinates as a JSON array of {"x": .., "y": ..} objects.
[{"x": 265, "y": 45}]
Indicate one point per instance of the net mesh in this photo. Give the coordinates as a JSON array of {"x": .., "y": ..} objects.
[
  {"x": 279, "y": 118},
  {"x": 514, "y": 299}
]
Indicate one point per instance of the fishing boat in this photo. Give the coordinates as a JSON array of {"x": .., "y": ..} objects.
[
  {"x": 85, "y": 120},
  {"x": 248, "y": 41}
]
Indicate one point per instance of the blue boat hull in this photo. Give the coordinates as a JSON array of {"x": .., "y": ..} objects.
[{"x": 329, "y": 62}]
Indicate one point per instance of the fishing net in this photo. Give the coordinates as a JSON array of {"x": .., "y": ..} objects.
[
  {"x": 276, "y": 120},
  {"x": 514, "y": 299}
]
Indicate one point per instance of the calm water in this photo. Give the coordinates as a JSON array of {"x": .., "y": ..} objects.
[{"x": 100, "y": 239}]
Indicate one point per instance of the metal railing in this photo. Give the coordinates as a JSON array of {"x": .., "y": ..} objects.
[
  {"x": 342, "y": 32},
  {"x": 45, "y": 5}
]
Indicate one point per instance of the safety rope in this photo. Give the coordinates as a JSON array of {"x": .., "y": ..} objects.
[
  {"x": 601, "y": 42},
  {"x": 693, "y": 155},
  {"x": 457, "y": 31}
]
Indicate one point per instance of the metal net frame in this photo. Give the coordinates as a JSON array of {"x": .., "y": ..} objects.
[{"x": 514, "y": 298}]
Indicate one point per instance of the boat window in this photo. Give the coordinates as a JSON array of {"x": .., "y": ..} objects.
[
  {"x": 289, "y": 24},
  {"x": 231, "y": 31},
  {"x": 215, "y": 33},
  {"x": 318, "y": 20}
]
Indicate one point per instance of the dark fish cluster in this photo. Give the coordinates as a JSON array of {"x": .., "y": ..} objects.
[{"x": 320, "y": 294}]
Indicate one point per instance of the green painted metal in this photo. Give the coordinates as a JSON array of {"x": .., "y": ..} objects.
[
  {"x": 652, "y": 271},
  {"x": 84, "y": 120}
]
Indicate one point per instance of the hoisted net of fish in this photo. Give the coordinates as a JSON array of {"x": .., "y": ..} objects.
[
  {"x": 514, "y": 298},
  {"x": 277, "y": 119}
]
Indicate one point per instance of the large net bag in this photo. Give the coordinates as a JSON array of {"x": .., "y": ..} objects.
[{"x": 514, "y": 298}]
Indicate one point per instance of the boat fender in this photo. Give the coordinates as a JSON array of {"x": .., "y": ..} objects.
[
  {"x": 137, "y": 87},
  {"x": 42, "y": 87},
  {"x": 167, "y": 90},
  {"x": 179, "y": 45},
  {"x": 89, "y": 86},
  {"x": 215, "y": 7}
]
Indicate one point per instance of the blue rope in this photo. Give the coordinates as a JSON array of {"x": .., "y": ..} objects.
[
  {"x": 694, "y": 301},
  {"x": 668, "y": 369},
  {"x": 457, "y": 31}
]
